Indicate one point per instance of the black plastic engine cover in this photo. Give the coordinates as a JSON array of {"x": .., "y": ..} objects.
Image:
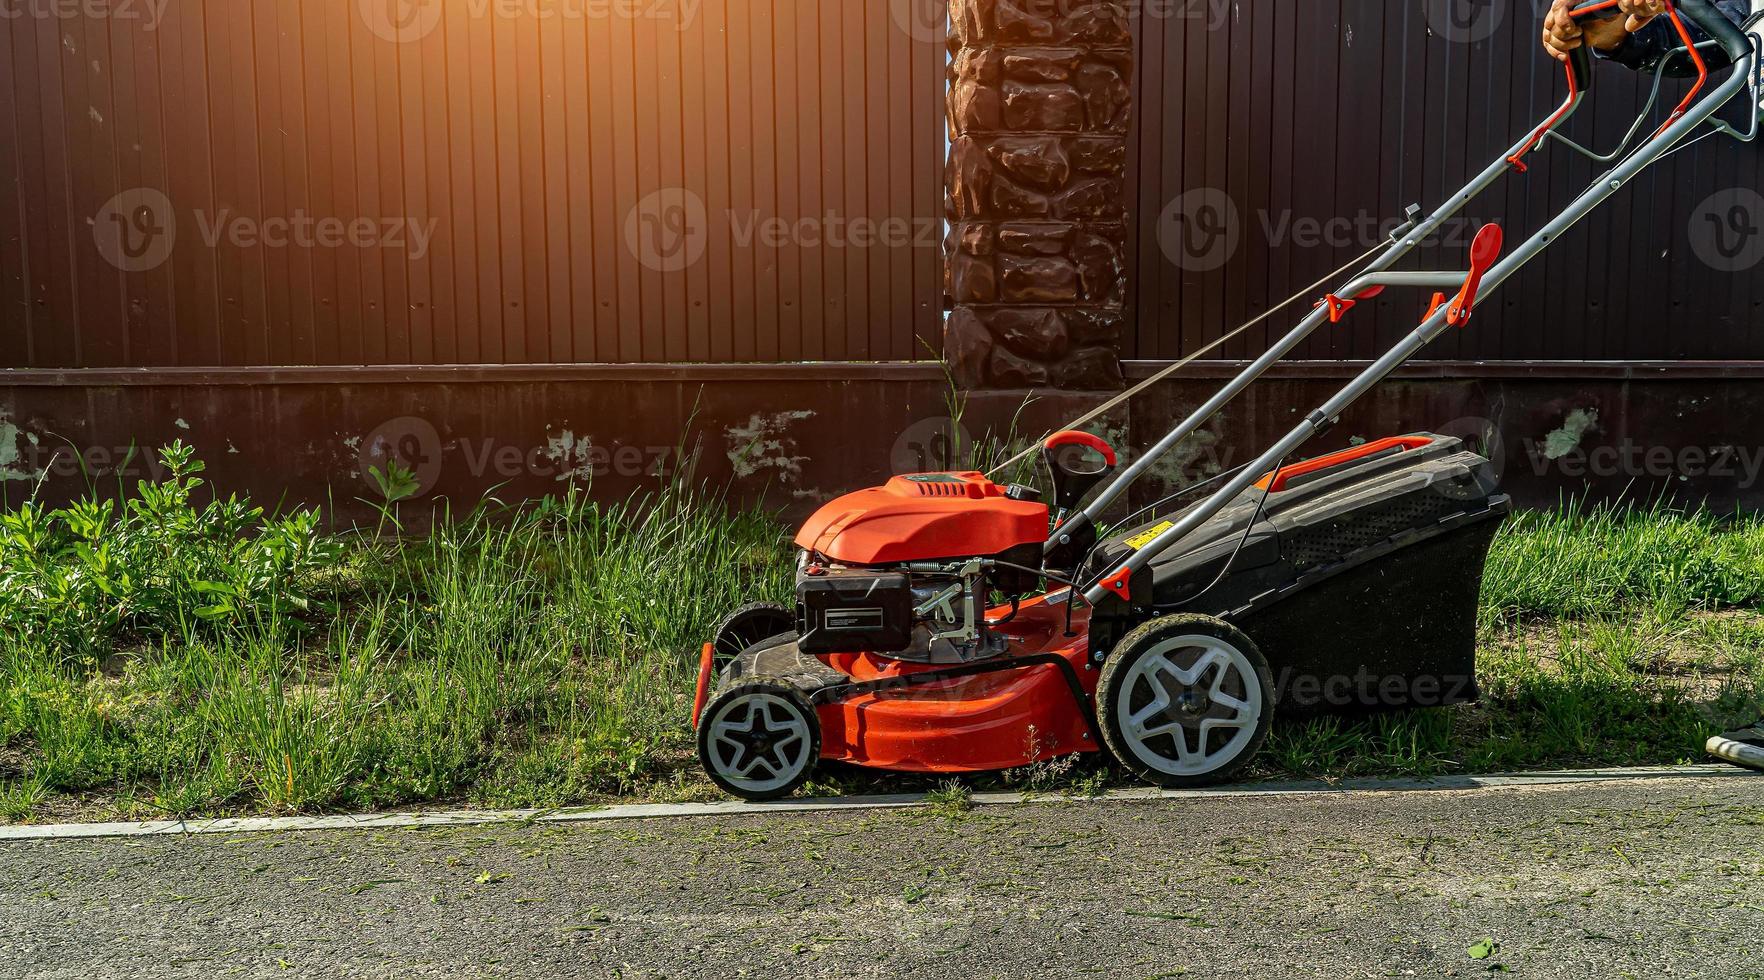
[
  {"x": 853, "y": 610},
  {"x": 1360, "y": 583}
]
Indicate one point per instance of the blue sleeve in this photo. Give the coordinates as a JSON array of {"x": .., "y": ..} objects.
[{"x": 1644, "y": 49}]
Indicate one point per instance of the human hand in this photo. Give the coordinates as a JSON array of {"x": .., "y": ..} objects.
[{"x": 1563, "y": 34}]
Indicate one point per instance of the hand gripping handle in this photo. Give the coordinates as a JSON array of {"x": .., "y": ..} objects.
[{"x": 1702, "y": 13}]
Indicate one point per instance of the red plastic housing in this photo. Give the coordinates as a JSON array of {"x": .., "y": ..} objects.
[
  {"x": 972, "y": 724},
  {"x": 923, "y": 517}
]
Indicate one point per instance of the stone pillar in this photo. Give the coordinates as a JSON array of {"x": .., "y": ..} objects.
[{"x": 1035, "y": 261}]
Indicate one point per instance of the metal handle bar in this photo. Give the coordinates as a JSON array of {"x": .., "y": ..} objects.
[
  {"x": 1640, "y": 120},
  {"x": 1684, "y": 35},
  {"x": 1379, "y": 273},
  {"x": 1580, "y": 74}
]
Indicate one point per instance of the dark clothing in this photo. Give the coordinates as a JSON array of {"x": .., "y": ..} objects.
[{"x": 1644, "y": 49}]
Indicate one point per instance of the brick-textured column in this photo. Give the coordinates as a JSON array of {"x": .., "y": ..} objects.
[{"x": 1039, "y": 103}]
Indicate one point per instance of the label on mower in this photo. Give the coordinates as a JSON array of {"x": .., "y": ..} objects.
[{"x": 1149, "y": 535}]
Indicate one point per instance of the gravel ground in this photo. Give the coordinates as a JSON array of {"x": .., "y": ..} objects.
[{"x": 1643, "y": 879}]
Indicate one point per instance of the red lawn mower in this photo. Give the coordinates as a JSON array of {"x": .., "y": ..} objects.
[{"x": 945, "y": 623}]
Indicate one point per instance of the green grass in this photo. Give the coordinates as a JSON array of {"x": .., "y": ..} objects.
[
  {"x": 512, "y": 656},
  {"x": 1608, "y": 561},
  {"x": 181, "y": 653}
]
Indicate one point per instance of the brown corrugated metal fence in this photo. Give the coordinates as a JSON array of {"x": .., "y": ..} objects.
[
  {"x": 515, "y": 161},
  {"x": 679, "y": 181},
  {"x": 1347, "y": 109}
]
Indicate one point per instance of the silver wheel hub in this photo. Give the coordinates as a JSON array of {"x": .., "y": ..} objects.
[
  {"x": 759, "y": 742},
  {"x": 1190, "y": 705}
]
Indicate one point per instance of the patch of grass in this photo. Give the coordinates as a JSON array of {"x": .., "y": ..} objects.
[
  {"x": 522, "y": 656},
  {"x": 175, "y": 653},
  {"x": 1615, "y": 690},
  {"x": 1415, "y": 743},
  {"x": 20, "y": 798},
  {"x": 1579, "y": 562},
  {"x": 951, "y": 798}
]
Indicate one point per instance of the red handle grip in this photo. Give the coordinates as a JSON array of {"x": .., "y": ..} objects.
[{"x": 1060, "y": 440}]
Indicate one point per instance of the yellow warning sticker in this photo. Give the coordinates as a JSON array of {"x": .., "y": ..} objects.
[{"x": 1150, "y": 534}]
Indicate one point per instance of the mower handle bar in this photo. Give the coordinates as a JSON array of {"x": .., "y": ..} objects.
[
  {"x": 1379, "y": 272},
  {"x": 1702, "y": 13}
]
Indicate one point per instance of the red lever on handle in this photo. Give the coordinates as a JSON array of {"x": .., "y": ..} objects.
[{"x": 1484, "y": 252}]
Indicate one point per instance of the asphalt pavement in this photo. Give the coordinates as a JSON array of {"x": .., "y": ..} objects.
[{"x": 1623, "y": 878}]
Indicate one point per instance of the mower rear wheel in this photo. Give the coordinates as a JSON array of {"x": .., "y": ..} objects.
[
  {"x": 1185, "y": 700},
  {"x": 759, "y": 740},
  {"x": 746, "y": 626}
]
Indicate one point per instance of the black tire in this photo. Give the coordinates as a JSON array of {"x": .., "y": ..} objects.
[
  {"x": 1132, "y": 681},
  {"x": 752, "y": 623},
  {"x": 733, "y": 761}
]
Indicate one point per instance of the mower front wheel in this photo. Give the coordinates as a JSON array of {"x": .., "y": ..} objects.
[
  {"x": 759, "y": 740},
  {"x": 1185, "y": 701}
]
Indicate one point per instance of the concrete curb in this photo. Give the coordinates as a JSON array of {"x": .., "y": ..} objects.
[{"x": 636, "y": 811}]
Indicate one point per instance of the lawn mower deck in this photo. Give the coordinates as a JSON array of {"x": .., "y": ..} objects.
[
  {"x": 1028, "y": 704},
  {"x": 947, "y": 623}
]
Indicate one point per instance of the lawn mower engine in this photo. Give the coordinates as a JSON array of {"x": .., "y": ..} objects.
[
  {"x": 918, "y": 607},
  {"x": 909, "y": 570}
]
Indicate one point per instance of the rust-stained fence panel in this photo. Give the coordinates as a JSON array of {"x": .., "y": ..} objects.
[
  {"x": 468, "y": 181},
  {"x": 1308, "y": 117}
]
